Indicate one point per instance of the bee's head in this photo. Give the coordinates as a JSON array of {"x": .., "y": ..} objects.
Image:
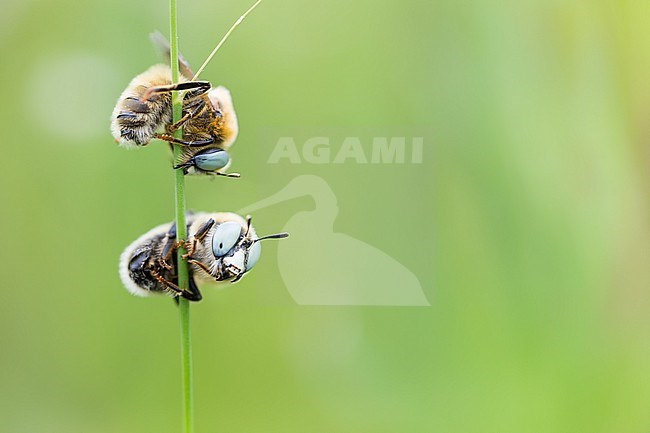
[{"x": 237, "y": 249}]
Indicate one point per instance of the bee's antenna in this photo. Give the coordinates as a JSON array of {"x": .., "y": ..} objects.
[
  {"x": 248, "y": 224},
  {"x": 275, "y": 236},
  {"x": 234, "y": 26},
  {"x": 227, "y": 174}
]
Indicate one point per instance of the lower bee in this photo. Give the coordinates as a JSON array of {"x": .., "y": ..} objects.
[{"x": 222, "y": 247}]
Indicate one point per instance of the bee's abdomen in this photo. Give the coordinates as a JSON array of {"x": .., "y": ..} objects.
[
  {"x": 144, "y": 270},
  {"x": 139, "y": 270},
  {"x": 135, "y": 121}
]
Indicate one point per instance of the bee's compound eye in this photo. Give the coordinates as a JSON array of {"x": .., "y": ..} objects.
[
  {"x": 224, "y": 238},
  {"x": 253, "y": 255},
  {"x": 211, "y": 159}
]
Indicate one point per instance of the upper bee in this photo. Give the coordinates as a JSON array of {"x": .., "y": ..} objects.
[{"x": 144, "y": 112}]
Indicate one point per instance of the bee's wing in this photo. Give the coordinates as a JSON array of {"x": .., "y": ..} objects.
[{"x": 162, "y": 46}]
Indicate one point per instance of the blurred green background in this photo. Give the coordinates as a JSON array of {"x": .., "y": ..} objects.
[{"x": 526, "y": 224}]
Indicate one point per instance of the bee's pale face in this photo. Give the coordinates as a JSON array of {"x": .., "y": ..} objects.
[{"x": 234, "y": 250}]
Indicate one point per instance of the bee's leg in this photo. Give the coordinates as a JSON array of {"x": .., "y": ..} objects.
[
  {"x": 200, "y": 234},
  {"x": 166, "y": 282},
  {"x": 193, "y": 294},
  {"x": 191, "y": 94},
  {"x": 204, "y": 86},
  {"x": 193, "y": 143},
  {"x": 171, "y": 245},
  {"x": 191, "y": 113},
  {"x": 200, "y": 265}
]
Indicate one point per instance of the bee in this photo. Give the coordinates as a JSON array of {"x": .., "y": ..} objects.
[
  {"x": 144, "y": 112},
  {"x": 221, "y": 247}
]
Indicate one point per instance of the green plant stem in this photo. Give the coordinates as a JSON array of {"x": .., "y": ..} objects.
[{"x": 181, "y": 234}]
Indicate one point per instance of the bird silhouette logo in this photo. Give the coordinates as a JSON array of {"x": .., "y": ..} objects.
[{"x": 322, "y": 267}]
